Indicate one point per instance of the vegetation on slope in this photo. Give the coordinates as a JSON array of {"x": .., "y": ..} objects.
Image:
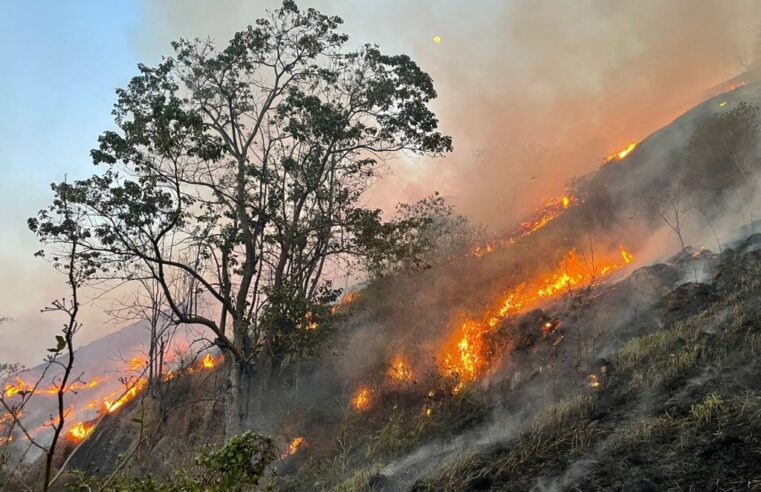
[{"x": 679, "y": 410}]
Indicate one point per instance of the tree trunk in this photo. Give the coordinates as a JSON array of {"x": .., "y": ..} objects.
[
  {"x": 238, "y": 396},
  {"x": 233, "y": 394}
]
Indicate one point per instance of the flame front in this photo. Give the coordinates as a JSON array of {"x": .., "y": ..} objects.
[
  {"x": 111, "y": 405},
  {"x": 466, "y": 355},
  {"x": 620, "y": 155},
  {"x": 20, "y": 386},
  {"x": 550, "y": 210},
  {"x": 81, "y": 431}
]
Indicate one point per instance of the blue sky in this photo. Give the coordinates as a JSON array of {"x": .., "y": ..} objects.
[{"x": 60, "y": 63}]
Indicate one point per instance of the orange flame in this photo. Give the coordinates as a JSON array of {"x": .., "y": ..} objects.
[
  {"x": 620, "y": 155},
  {"x": 594, "y": 381},
  {"x": 20, "y": 386},
  {"x": 466, "y": 355},
  {"x": 111, "y": 405},
  {"x": 347, "y": 299},
  {"x": 208, "y": 362},
  {"x": 551, "y": 210},
  {"x": 81, "y": 431},
  {"x": 311, "y": 324},
  {"x": 361, "y": 399}
]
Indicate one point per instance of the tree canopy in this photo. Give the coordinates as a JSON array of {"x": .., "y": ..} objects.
[{"x": 235, "y": 175}]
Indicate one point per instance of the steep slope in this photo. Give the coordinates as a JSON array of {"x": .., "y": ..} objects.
[
  {"x": 675, "y": 409},
  {"x": 387, "y": 405}
]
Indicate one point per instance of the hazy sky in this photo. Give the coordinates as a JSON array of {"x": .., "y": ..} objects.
[{"x": 533, "y": 92}]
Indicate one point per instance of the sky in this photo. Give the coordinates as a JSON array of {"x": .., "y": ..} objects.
[{"x": 533, "y": 92}]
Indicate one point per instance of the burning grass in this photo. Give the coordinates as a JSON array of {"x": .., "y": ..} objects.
[
  {"x": 467, "y": 354},
  {"x": 681, "y": 423},
  {"x": 550, "y": 210}
]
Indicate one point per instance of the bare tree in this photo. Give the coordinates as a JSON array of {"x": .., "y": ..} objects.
[
  {"x": 671, "y": 206},
  {"x": 69, "y": 259}
]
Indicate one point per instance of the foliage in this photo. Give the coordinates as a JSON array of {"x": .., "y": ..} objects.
[
  {"x": 236, "y": 174},
  {"x": 722, "y": 152},
  {"x": 239, "y": 465},
  {"x": 421, "y": 234}
]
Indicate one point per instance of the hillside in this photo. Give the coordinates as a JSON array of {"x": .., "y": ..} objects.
[
  {"x": 636, "y": 372},
  {"x": 675, "y": 408},
  {"x": 572, "y": 351}
]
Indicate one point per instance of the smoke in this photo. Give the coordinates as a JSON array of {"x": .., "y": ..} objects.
[{"x": 533, "y": 92}]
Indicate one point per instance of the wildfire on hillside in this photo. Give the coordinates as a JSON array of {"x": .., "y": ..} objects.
[{"x": 466, "y": 355}]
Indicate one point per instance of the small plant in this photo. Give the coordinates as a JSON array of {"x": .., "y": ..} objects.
[{"x": 239, "y": 465}]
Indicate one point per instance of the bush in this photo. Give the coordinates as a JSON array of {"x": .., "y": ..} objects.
[{"x": 239, "y": 465}]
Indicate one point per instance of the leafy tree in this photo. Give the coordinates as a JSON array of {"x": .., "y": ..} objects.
[
  {"x": 722, "y": 153},
  {"x": 236, "y": 174},
  {"x": 240, "y": 464},
  {"x": 420, "y": 235}
]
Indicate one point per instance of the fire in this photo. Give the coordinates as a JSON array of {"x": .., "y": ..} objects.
[
  {"x": 311, "y": 324},
  {"x": 626, "y": 255},
  {"x": 620, "y": 155},
  {"x": 81, "y": 431},
  {"x": 361, "y": 399},
  {"x": 208, "y": 362},
  {"x": 136, "y": 363},
  {"x": 737, "y": 85},
  {"x": 466, "y": 355},
  {"x": 400, "y": 370},
  {"x": 550, "y": 210},
  {"x": 722, "y": 104},
  {"x": 20, "y": 386},
  {"x": 111, "y": 405},
  {"x": 594, "y": 381},
  {"x": 347, "y": 299}
]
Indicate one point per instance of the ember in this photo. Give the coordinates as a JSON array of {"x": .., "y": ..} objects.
[{"x": 400, "y": 370}]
